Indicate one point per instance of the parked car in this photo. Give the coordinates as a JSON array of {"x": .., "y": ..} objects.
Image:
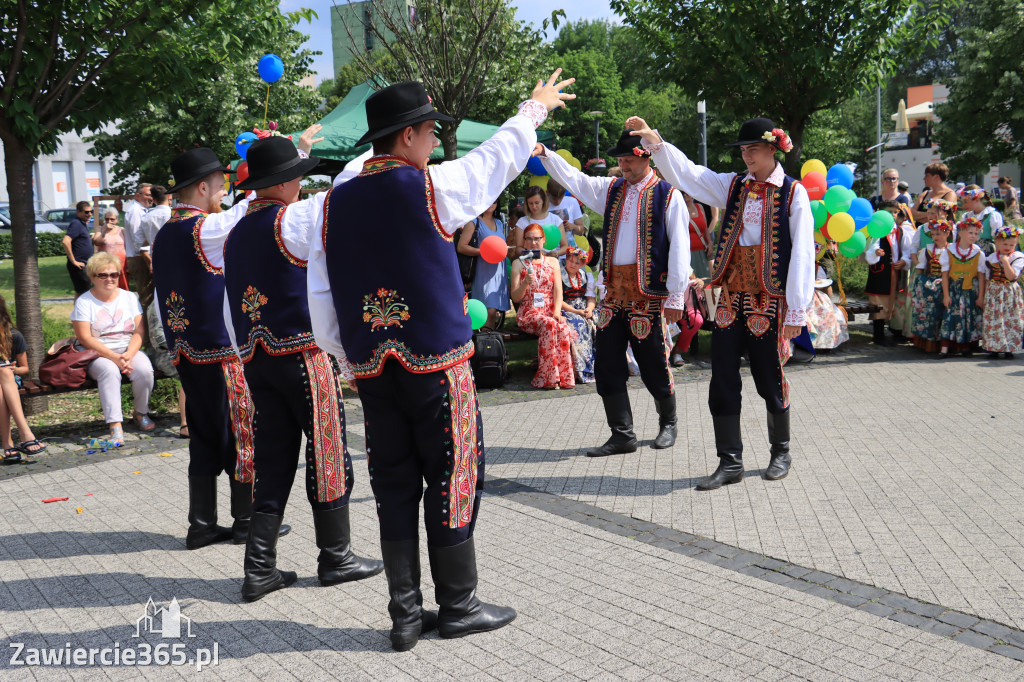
[
  {"x": 61, "y": 217},
  {"x": 42, "y": 224}
]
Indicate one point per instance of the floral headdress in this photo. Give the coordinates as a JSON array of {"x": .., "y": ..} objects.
[
  {"x": 973, "y": 193},
  {"x": 779, "y": 138},
  {"x": 1007, "y": 232},
  {"x": 271, "y": 131},
  {"x": 933, "y": 225},
  {"x": 576, "y": 251},
  {"x": 969, "y": 222},
  {"x": 641, "y": 152}
]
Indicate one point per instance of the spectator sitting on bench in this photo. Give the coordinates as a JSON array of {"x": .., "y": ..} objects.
[
  {"x": 108, "y": 320},
  {"x": 13, "y": 366}
]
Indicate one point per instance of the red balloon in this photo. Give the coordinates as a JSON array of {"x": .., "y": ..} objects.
[
  {"x": 493, "y": 249},
  {"x": 815, "y": 184},
  {"x": 242, "y": 171},
  {"x": 824, "y": 228}
]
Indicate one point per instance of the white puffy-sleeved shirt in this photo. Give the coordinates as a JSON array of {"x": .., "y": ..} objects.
[
  {"x": 973, "y": 251},
  {"x": 1016, "y": 262},
  {"x": 928, "y": 252},
  {"x": 711, "y": 188},
  {"x": 593, "y": 192},
  {"x": 906, "y": 247},
  {"x": 463, "y": 188}
]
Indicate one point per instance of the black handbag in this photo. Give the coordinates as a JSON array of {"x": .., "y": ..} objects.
[
  {"x": 467, "y": 264},
  {"x": 489, "y": 360}
]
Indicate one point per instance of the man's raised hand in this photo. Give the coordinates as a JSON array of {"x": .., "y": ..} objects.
[
  {"x": 548, "y": 93},
  {"x": 308, "y": 139},
  {"x": 638, "y": 126}
]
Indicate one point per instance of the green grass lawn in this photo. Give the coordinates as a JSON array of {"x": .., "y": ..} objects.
[{"x": 54, "y": 281}]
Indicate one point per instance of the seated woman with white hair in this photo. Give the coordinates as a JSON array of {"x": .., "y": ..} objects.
[
  {"x": 108, "y": 320},
  {"x": 109, "y": 237}
]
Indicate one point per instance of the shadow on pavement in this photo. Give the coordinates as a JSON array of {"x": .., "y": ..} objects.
[{"x": 63, "y": 543}]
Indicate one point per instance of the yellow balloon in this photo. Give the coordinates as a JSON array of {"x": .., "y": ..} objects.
[
  {"x": 841, "y": 227},
  {"x": 582, "y": 242},
  {"x": 564, "y": 153},
  {"x": 819, "y": 245},
  {"x": 575, "y": 163},
  {"x": 539, "y": 181},
  {"x": 813, "y": 166}
]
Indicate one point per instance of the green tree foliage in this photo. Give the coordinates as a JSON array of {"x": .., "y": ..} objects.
[
  {"x": 982, "y": 122},
  {"x": 785, "y": 60},
  {"x": 462, "y": 51},
  {"x": 212, "y": 113}
]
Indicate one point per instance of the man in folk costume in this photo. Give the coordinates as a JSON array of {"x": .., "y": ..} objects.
[
  {"x": 889, "y": 259},
  {"x": 764, "y": 264},
  {"x": 189, "y": 282},
  {"x": 398, "y": 313},
  {"x": 295, "y": 385},
  {"x": 646, "y": 268}
]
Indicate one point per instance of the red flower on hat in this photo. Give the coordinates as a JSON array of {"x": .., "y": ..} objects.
[
  {"x": 782, "y": 140},
  {"x": 640, "y": 151}
]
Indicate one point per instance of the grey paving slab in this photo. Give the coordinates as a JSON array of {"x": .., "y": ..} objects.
[{"x": 592, "y": 604}]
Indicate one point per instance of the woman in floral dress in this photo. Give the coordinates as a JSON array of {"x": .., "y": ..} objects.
[
  {"x": 579, "y": 300},
  {"x": 537, "y": 291}
]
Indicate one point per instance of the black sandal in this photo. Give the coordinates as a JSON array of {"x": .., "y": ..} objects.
[
  {"x": 12, "y": 456},
  {"x": 24, "y": 447}
]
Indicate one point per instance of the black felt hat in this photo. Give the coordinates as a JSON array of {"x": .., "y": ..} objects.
[
  {"x": 753, "y": 130},
  {"x": 397, "y": 106},
  {"x": 628, "y": 145},
  {"x": 194, "y": 165},
  {"x": 274, "y": 160}
]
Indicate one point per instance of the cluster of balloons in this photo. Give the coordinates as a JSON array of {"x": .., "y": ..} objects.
[
  {"x": 539, "y": 176},
  {"x": 839, "y": 214},
  {"x": 493, "y": 249},
  {"x": 270, "y": 68}
]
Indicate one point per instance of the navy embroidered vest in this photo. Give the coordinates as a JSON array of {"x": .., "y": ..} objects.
[
  {"x": 776, "y": 242},
  {"x": 652, "y": 236},
  {"x": 393, "y": 272},
  {"x": 191, "y": 292},
  {"x": 266, "y": 285}
]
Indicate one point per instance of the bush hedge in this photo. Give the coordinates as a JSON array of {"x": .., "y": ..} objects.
[{"x": 47, "y": 243}]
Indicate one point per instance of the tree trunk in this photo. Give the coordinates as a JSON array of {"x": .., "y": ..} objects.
[
  {"x": 18, "y": 160},
  {"x": 448, "y": 140}
]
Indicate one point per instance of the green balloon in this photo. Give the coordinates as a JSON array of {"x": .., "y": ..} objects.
[
  {"x": 477, "y": 313},
  {"x": 552, "y": 237},
  {"x": 877, "y": 228},
  {"x": 820, "y": 213},
  {"x": 838, "y": 199},
  {"x": 854, "y": 246}
]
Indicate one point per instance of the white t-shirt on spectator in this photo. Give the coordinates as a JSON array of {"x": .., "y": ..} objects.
[
  {"x": 569, "y": 209},
  {"x": 549, "y": 219},
  {"x": 112, "y": 323}
]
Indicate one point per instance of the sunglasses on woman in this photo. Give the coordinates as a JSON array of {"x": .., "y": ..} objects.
[{"x": 107, "y": 275}]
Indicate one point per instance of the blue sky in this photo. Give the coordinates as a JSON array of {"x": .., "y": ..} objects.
[{"x": 534, "y": 11}]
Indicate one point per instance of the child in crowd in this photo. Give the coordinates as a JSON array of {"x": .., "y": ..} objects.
[
  {"x": 13, "y": 366},
  {"x": 826, "y": 322},
  {"x": 1003, "y": 318},
  {"x": 931, "y": 287},
  {"x": 961, "y": 321},
  {"x": 935, "y": 209},
  {"x": 979, "y": 203},
  {"x": 888, "y": 260}
]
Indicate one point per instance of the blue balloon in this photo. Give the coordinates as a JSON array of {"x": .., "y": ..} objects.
[
  {"x": 839, "y": 174},
  {"x": 535, "y": 166},
  {"x": 271, "y": 68},
  {"x": 242, "y": 143},
  {"x": 861, "y": 212}
]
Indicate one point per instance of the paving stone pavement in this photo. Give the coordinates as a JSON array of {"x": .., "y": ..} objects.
[{"x": 618, "y": 568}]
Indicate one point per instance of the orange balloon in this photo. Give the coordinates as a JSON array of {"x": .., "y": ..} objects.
[
  {"x": 493, "y": 249},
  {"x": 242, "y": 171},
  {"x": 815, "y": 184}
]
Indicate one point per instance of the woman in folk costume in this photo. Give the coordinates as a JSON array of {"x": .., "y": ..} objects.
[
  {"x": 1003, "y": 320},
  {"x": 979, "y": 204},
  {"x": 887, "y": 259},
  {"x": 931, "y": 287},
  {"x": 764, "y": 264},
  {"x": 961, "y": 321}
]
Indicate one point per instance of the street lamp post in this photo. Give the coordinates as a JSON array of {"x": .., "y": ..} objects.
[
  {"x": 702, "y": 133},
  {"x": 597, "y": 132}
]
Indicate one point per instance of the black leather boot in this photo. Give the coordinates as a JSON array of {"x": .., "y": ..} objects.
[
  {"x": 879, "y": 337},
  {"x": 337, "y": 564},
  {"x": 666, "y": 423},
  {"x": 402, "y": 568},
  {"x": 778, "y": 436},
  {"x": 729, "y": 445},
  {"x": 202, "y": 513},
  {"x": 261, "y": 574},
  {"x": 460, "y": 613},
  {"x": 241, "y": 510},
  {"x": 620, "y": 419}
]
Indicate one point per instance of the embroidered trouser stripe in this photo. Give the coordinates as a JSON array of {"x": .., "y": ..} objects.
[
  {"x": 290, "y": 400},
  {"x": 424, "y": 428},
  {"x": 241, "y": 407},
  {"x": 211, "y": 447},
  {"x": 641, "y": 328},
  {"x": 752, "y": 325}
]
